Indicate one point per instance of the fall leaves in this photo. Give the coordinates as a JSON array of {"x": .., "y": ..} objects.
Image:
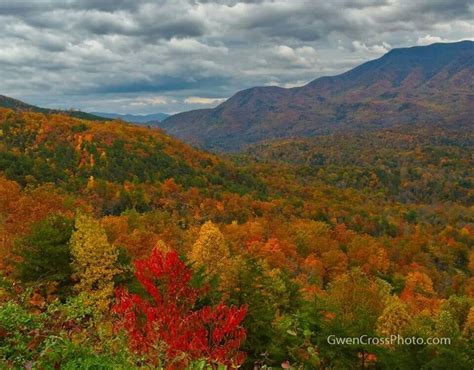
[
  {"x": 94, "y": 261},
  {"x": 170, "y": 329},
  {"x": 211, "y": 253},
  {"x": 173, "y": 328},
  {"x": 213, "y": 259}
]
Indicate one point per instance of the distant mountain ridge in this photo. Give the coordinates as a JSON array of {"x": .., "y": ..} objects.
[
  {"x": 433, "y": 83},
  {"x": 18, "y": 105},
  {"x": 135, "y": 118}
]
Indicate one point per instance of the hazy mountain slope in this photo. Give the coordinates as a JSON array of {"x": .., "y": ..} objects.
[
  {"x": 15, "y": 104},
  {"x": 432, "y": 83}
]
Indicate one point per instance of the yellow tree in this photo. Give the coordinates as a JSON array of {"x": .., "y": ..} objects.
[
  {"x": 394, "y": 318},
  {"x": 469, "y": 325},
  {"x": 211, "y": 252},
  {"x": 94, "y": 261}
]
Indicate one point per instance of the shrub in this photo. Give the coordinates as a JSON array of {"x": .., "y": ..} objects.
[{"x": 168, "y": 328}]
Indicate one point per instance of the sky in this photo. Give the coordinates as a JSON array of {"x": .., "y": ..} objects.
[{"x": 132, "y": 56}]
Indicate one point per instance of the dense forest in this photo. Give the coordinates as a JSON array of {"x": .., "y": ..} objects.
[{"x": 123, "y": 248}]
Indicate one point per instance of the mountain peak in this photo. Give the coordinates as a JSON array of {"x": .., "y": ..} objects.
[
  {"x": 432, "y": 83},
  {"x": 438, "y": 46}
]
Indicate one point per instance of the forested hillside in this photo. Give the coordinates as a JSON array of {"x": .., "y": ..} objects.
[
  {"x": 18, "y": 105},
  {"x": 123, "y": 248},
  {"x": 423, "y": 163}
]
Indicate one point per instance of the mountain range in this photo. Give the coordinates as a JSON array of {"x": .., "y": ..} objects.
[
  {"x": 428, "y": 84},
  {"x": 18, "y": 105},
  {"x": 135, "y": 118},
  {"x": 145, "y": 119},
  {"x": 433, "y": 83}
]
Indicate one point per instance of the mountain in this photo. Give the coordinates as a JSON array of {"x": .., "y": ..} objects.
[
  {"x": 135, "y": 118},
  {"x": 364, "y": 223},
  {"x": 18, "y": 105},
  {"x": 433, "y": 83}
]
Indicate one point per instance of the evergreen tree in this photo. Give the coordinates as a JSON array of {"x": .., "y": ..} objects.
[{"x": 44, "y": 252}]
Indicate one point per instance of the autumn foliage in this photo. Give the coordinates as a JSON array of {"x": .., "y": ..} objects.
[
  {"x": 170, "y": 323},
  {"x": 278, "y": 248},
  {"x": 94, "y": 261}
]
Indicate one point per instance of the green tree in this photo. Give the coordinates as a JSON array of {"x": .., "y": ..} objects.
[{"x": 45, "y": 254}]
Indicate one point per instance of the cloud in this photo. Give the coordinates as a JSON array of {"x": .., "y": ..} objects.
[
  {"x": 138, "y": 56},
  {"x": 304, "y": 56},
  {"x": 428, "y": 39},
  {"x": 373, "y": 49},
  {"x": 157, "y": 100},
  {"x": 204, "y": 101}
]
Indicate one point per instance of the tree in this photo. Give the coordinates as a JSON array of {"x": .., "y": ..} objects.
[
  {"x": 446, "y": 326},
  {"x": 367, "y": 253},
  {"x": 419, "y": 292},
  {"x": 311, "y": 236},
  {"x": 394, "y": 318},
  {"x": 314, "y": 270},
  {"x": 459, "y": 354},
  {"x": 211, "y": 252},
  {"x": 334, "y": 262},
  {"x": 469, "y": 325},
  {"x": 168, "y": 328},
  {"x": 268, "y": 294},
  {"x": 458, "y": 307},
  {"x": 274, "y": 253},
  {"x": 471, "y": 262},
  {"x": 44, "y": 252},
  {"x": 357, "y": 300},
  {"x": 94, "y": 261},
  {"x": 352, "y": 306}
]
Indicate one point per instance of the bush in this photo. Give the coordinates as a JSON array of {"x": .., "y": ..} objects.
[
  {"x": 67, "y": 355},
  {"x": 17, "y": 334}
]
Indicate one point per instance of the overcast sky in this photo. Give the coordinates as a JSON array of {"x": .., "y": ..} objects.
[{"x": 132, "y": 56}]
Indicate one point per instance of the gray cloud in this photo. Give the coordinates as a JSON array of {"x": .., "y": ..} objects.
[{"x": 172, "y": 55}]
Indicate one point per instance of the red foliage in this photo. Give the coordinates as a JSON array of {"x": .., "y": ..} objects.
[{"x": 170, "y": 321}]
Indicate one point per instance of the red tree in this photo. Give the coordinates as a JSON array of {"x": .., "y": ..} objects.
[{"x": 169, "y": 324}]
